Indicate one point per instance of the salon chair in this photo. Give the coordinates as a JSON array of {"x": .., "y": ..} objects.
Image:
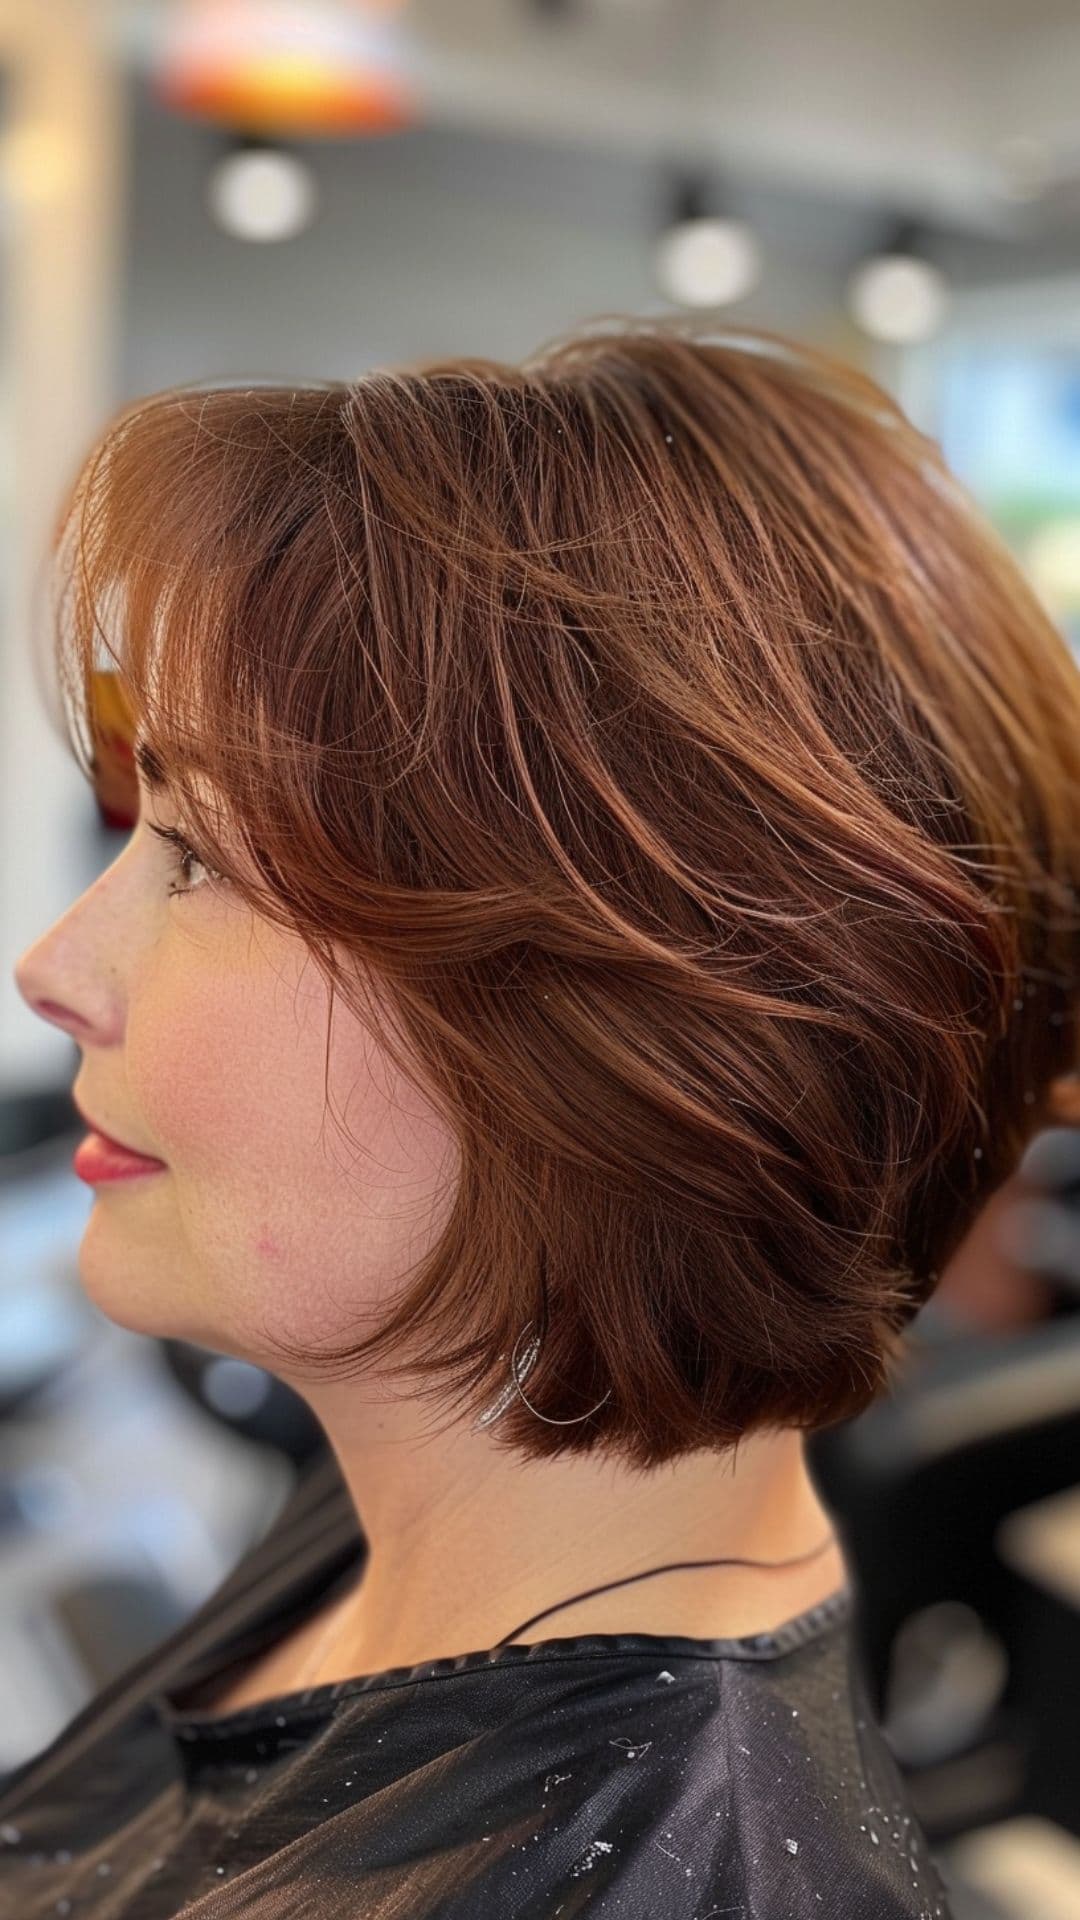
[{"x": 956, "y": 1498}]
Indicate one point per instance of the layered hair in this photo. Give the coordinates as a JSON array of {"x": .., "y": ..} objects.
[{"x": 656, "y": 742}]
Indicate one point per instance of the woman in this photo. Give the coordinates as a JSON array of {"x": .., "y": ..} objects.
[{"x": 601, "y": 909}]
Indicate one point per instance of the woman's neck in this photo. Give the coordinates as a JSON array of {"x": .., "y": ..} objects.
[{"x": 460, "y": 1559}]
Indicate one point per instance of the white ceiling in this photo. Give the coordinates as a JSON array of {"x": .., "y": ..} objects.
[{"x": 899, "y": 100}]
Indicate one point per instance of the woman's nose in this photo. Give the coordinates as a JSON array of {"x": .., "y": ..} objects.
[
  {"x": 64, "y": 979},
  {"x": 35, "y": 990}
]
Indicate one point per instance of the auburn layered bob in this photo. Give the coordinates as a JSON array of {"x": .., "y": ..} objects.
[{"x": 655, "y": 741}]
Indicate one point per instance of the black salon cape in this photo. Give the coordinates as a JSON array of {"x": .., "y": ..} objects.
[{"x": 630, "y": 1776}]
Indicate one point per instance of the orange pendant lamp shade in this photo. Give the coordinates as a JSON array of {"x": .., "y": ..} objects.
[
  {"x": 290, "y": 69},
  {"x": 112, "y": 722}
]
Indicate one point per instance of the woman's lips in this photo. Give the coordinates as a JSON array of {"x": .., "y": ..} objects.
[{"x": 97, "y": 1159}]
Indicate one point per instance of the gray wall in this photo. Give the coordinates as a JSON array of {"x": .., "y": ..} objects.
[{"x": 435, "y": 241}]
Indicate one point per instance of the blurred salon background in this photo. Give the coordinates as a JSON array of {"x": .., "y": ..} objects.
[{"x": 201, "y": 190}]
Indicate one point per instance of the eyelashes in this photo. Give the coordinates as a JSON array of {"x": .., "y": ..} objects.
[{"x": 184, "y": 856}]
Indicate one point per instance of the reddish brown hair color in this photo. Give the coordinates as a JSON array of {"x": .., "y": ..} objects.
[{"x": 659, "y": 733}]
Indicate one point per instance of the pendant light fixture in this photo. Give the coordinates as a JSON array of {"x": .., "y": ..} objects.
[
  {"x": 898, "y": 295},
  {"x": 704, "y": 258},
  {"x": 305, "y": 68}
]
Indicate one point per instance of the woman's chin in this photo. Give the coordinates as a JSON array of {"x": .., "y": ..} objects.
[{"x": 125, "y": 1276}]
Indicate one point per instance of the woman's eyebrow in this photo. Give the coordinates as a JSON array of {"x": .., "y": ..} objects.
[{"x": 150, "y": 767}]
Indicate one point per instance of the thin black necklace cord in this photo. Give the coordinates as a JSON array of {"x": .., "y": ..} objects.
[{"x": 675, "y": 1567}]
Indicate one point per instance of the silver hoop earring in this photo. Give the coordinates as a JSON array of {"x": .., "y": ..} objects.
[{"x": 519, "y": 1371}]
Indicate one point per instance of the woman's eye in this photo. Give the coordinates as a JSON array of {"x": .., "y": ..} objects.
[{"x": 184, "y": 857}]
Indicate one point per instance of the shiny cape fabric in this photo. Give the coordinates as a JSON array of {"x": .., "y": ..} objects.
[{"x": 630, "y": 1776}]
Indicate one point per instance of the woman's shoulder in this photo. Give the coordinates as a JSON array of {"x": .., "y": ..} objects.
[
  {"x": 678, "y": 1776},
  {"x": 755, "y": 1766},
  {"x": 669, "y": 1775}
]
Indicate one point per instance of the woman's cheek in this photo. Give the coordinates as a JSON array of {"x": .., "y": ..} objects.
[
  {"x": 185, "y": 1055},
  {"x": 223, "y": 1045}
]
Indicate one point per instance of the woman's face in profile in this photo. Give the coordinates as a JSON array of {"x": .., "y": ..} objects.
[{"x": 203, "y": 1032}]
